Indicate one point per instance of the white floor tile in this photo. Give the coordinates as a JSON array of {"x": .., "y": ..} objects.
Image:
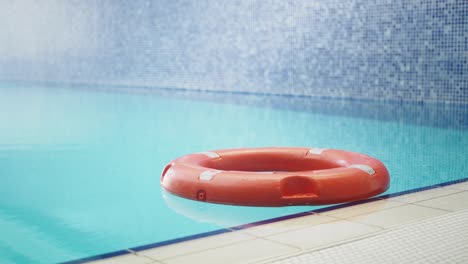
[
  {"x": 125, "y": 259},
  {"x": 288, "y": 225},
  {"x": 442, "y": 239},
  {"x": 196, "y": 245},
  {"x": 459, "y": 186},
  {"x": 323, "y": 234},
  {"x": 397, "y": 215},
  {"x": 362, "y": 208},
  {"x": 453, "y": 202},
  {"x": 423, "y": 195},
  {"x": 241, "y": 252}
]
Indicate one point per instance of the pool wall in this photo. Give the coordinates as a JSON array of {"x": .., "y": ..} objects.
[{"x": 361, "y": 49}]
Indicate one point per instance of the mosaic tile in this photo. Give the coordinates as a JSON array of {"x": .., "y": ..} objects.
[{"x": 362, "y": 49}]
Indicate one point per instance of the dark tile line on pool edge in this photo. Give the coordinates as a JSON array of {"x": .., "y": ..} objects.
[
  {"x": 449, "y": 115},
  {"x": 267, "y": 221},
  {"x": 105, "y": 87}
]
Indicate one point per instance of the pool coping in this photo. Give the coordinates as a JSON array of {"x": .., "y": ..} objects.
[{"x": 136, "y": 249}]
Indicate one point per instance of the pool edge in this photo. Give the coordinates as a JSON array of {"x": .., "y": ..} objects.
[{"x": 253, "y": 224}]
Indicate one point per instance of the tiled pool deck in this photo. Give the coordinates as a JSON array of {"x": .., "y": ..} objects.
[{"x": 347, "y": 234}]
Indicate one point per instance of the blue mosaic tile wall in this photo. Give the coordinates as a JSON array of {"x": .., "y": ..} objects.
[{"x": 363, "y": 49}]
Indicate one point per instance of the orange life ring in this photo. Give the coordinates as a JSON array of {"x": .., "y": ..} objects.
[{"x": 277, "y": 176}]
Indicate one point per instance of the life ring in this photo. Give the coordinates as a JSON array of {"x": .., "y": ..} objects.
[{"x": 277, "y": 176}]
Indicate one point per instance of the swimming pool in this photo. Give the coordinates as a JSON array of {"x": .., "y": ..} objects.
[{"x": 80, "y": 165}]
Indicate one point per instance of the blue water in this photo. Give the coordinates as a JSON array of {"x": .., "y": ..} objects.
[{"x": 80, "y": 169}]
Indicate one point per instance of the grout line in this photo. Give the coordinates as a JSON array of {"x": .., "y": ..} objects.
[
  {"x": 146, "y": 256},
  {"x": 379, "y": 210},
  {"x": 366, "y": 224},
  {"x": 283, "y": 243},
  {"x": 214, "y": 248},
  {"x": 430, "y": 207},
  {"x": 445, "y": 212},
  {"x": 426, "y": 199},
  {"x": 333, "y": 244},
  {"x": 459, "y": 191},
  {"x": 335, "y": 219},
  {"x": 207, "y": 249}
]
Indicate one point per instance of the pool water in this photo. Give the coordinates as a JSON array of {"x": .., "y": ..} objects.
[{"x": 80, "y": 168}]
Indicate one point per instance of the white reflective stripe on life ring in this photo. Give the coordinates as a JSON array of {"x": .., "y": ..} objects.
[
  {"x": 368, "y": 169},
  {"x": 208, "y": 175},
  {"x": 210, "y": 154},
  {"x": 316, "y": 151}
]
